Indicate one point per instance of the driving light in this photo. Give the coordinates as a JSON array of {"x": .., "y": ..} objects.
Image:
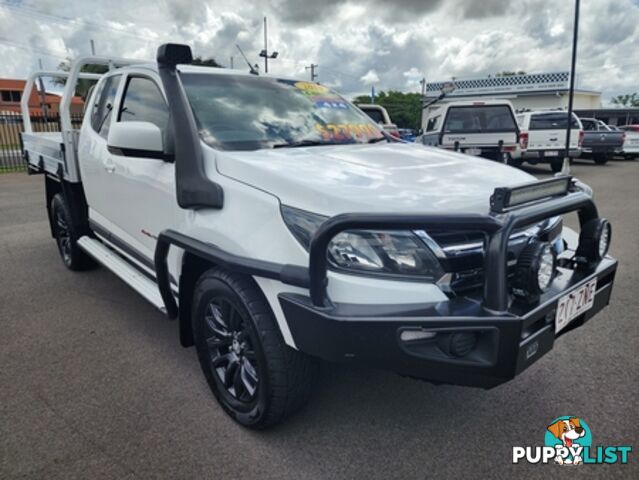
[
  {"x": 535, "y": 270},
  {"x": 594, "y": 240}
]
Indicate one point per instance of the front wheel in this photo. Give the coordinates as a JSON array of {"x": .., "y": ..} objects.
[{"x": 254, "y": 375}]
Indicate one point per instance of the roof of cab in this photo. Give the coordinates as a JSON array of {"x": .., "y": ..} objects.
[{"x": 209, "y": 70}]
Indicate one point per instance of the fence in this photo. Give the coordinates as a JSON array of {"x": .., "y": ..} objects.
[{"x": 11, "y": 126}]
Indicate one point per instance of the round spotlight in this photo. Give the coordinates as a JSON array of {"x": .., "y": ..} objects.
[
  {"x": 594, "y": 240},
  {"x": 535, "y": 270}
]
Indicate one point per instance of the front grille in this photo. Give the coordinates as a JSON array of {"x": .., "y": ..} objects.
[{"x": 461, "y": 254}]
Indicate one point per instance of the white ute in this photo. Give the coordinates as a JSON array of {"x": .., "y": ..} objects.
[
  {"x": 483, "y": 128},
  {"x": 542, "y": 138},
  {"x": 279, "y": 225}
]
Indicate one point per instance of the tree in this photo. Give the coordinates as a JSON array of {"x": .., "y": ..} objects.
[
  {"x": 83, "y": 86},
  {"x": 405, "y": 109},
  {"x": 206, "y": 62},
  {"x": 627, "y": 100}
]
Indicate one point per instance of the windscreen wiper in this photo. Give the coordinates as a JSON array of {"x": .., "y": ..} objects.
[{"x": 301, "y": 143}]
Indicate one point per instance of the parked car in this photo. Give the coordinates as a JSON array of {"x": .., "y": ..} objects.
[
  {"x": 407, "y": 134},
  {"x": 381, "y": 117},
  {"x": 542, "y": 138},
  {"x": 275, "y": 240},
  {"x": 630, "y": 147},
  {"x": 600, "y": 142},
  {"x": 487, "y": 129}
]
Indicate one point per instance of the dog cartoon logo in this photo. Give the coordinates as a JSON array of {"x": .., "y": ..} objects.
[{"x": 572, "y": 434}]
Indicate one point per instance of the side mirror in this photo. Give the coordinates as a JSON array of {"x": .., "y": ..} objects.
[{"x": 136, "y": 139}]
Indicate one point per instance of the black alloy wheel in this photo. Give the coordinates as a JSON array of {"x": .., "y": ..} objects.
[
  {"x": 230, "y": 349},
  {"x": 255, "y": 376}
]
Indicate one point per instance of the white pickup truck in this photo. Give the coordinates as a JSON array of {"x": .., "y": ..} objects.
[
  {"x": 483, "y": 128},
  {"x": 279, "y": 225},
  {"x": 542, "y": 138}
]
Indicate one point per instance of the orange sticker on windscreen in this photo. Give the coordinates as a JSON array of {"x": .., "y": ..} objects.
[
  {"x": 346, "y": 131},
  {"x": 310, "y": 88}
]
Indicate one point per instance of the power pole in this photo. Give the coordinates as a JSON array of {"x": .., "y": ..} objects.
[
  {"x": 422, "y": 82},
  {"x": 312, "y": 68},
  {"x": 43, "y": 96},
  {"x": 92, "y": 48},
  {"x": 565, "y": 169}
]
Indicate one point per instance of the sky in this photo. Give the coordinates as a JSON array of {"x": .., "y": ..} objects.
[{"x": 391, "y": 44}]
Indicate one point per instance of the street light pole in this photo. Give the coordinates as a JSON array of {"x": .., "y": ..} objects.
[
  {"x": 265, "y": 48},
  {"x": 566, "y": 166},
  {"x": 264, "y": 53}
]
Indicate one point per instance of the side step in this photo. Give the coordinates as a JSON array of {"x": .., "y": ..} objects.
[{"x": 128, "y": 273}]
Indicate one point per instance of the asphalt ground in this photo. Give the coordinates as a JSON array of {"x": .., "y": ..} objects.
[{"x": 94, "y": 384}]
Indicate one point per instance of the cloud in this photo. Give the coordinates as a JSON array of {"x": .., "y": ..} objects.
[
  {"x": 355, "y": 43},
  {"x": 370, "y": 78}
]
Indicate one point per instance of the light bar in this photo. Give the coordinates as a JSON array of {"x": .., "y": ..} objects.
[{"x": 504, "y": 198}]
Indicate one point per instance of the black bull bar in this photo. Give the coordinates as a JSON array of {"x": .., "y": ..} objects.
[{"x": 496, "y": 227}]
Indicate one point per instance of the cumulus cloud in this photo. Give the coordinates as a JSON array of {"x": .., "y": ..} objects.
[
  {"x": 370, "y": 78},
  {"x": 355, "y": 43}
]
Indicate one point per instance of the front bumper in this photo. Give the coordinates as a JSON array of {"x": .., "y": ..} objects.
[{"x": 507, "y": 343}]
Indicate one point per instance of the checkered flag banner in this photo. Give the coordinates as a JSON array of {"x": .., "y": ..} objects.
[{"x": 534, "y": 81}]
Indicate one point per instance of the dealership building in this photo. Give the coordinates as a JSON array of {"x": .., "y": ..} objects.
[{"x": 525, "y": 92}]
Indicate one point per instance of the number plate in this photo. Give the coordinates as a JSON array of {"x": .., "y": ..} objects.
[
  {"x": 552, "y": 153},
  {"x": 473, "y": 151},
  {"x": 575, "y": 303}
]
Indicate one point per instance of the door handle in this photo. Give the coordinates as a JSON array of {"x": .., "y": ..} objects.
[{"x": 109, "y": 168}]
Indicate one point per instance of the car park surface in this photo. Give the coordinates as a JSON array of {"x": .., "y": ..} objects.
[{"x": 95, "y": 384}]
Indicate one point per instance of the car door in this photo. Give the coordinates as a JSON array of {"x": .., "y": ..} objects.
[
  {"x": 93, "y": 155},
  {"x": 142, "y": 189}
]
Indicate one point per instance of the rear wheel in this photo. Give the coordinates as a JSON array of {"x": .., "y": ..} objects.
[
  {"x": 556, "y": 164},
  {"x": 514, "y": 162},
  {"x": 66, "y": 236},
  {"x": 254, "y": 375}
]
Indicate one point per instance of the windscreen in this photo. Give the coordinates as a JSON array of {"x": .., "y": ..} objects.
[
  {"x": 241, "y": 112},
  {"x": 551, "y": 121},
  {"x": 375, "y": 114},
  {"x": 480, "y": 119}
]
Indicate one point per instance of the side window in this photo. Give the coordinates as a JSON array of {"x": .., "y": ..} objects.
[
  {"x": 143, "y": 102},
  {"x": 589, "y": 125},
  {"x": 104, "y": 104},
  {"x": 433, "y": 123}
]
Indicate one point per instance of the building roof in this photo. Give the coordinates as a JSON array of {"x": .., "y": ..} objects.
[
  {"x": 19, "y": 84},
  {"x": 12, "y": 84},
  {"x": 525, "y": 84}
]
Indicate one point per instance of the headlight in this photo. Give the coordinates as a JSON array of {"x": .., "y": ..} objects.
[{"x": 387, "y": 252}]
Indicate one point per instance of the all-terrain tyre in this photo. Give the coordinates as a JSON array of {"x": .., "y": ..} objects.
[
  {"x": 66, "y": 236},
  {"x": 257, "y": 379}
]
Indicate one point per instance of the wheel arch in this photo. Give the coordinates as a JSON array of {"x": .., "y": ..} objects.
[{"x": 193, "y": 266}]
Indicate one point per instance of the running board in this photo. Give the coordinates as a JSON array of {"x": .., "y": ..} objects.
[{"x": 128, "y": 273}]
